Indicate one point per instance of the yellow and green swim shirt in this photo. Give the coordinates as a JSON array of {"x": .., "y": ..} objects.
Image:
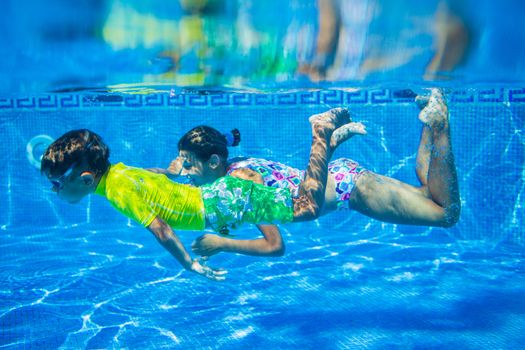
[
  {"x": 224, "y": 204},
  {"x": 142, "y": 195}
]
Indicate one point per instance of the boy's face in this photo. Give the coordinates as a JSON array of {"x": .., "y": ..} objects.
[
  {"x": 198, "y": 171},
  {"x": 73, "y": 185}
]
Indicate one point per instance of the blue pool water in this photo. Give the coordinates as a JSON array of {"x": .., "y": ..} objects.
[{"x": 83, "y": 276}]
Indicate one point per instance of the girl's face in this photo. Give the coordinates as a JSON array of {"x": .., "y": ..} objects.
[{"x": 198, "y": 171}]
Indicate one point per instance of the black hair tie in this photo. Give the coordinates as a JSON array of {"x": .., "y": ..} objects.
[{"x": 233, "y": 138}]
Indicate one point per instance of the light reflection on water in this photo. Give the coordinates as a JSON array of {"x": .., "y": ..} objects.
[{"x": 229, "y": 45}]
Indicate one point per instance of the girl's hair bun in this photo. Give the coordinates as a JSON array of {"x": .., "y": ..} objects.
[{"x": 233, "y": 138}]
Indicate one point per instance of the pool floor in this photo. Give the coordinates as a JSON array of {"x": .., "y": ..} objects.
[{"x": 117, "y": 288}]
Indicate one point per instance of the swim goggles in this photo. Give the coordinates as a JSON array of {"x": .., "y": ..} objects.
[{"x": 58, "y": 184}]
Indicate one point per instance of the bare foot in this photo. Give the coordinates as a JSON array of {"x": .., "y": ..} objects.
[
  {"x": 331, "y": 119},
  {"x": 345, "y": 132},
  {"x": 435, "y": 113},
  {"x": 422, "y": 101}
]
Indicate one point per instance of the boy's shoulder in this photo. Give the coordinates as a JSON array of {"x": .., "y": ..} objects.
[
  {"x": 123, "y": 176},
  {"x": 123, "y": 169}
]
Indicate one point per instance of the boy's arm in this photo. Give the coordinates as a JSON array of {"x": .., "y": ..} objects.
[
  {"x": 173, "y": 171},
  {"x": 270, "y": 245},
  {"x": 174, "y": 168},
  {"x": 169, "y": 240}
]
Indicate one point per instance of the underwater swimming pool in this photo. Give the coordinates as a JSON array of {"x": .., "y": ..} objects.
[{"x": 83, "y": 276}]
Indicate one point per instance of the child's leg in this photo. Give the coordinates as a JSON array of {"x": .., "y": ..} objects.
[
  {"x": 312, "y": 190},
  {"x": 442, "y": 177},
  {"x": 437, "y": 203},
  {"x": 423, "y": 155}
]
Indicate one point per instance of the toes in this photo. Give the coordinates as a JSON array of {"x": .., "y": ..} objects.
[
  {"x": 435, "y": 97},
  {"x": 358, "y": 128},
  {"x": 422, "y": 101},
  {"x": 346, "y": 131},
  {"x": 437, "y": 93},
  {"x": 351, "y": 129}
]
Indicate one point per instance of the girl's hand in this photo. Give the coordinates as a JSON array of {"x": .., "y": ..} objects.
[
  {"x": 207, "y": 245},
  {"x": 198, "y": 267}
]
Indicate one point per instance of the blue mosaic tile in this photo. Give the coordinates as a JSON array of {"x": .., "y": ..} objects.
[
  {"x": 177, "y": 100},
  {"x": 264, "y": 100},
  {"x": 517, "y": 95},
  {"x": 462, "y": 96},
  {"x": 286, "y": 99},
  {"x": 90, "y": 101},
  {"x": 381, "y": 96},
  {"x": 29, "y": 102},
  {"x": 6, "y": 103},
  {"x": 198, "y": 100},
  {"x": 242, "y": 99},
  {"x": 325, "y": 98},
  {"x": 47, "y": 102},
  {"x": 134, "y": 101},
  {"x": 220, "y": 100},
  {"x": 156, "y": 100},
  {"x": 357, "y": 97},
  {"x": 332, "y": 97},
  {"x": 69, "y": 101},
  {"x": 93, "y": 101},
  {"x": 403, "y": 96},
  {"x": 309, "y": 98},
  {"x": 492, "y": 95}
]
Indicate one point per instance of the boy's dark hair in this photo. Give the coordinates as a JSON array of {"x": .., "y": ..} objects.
[
  {"x": 76, "y": 146},
  {"x": 205, "y": 141}
]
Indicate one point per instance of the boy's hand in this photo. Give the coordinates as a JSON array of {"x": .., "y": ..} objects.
[
  {"x": 175, "y": 166},
  {"x": 208, "y": 272},
  {"x": 172, "y": 243},
  {"x": 207, "y": 245}
]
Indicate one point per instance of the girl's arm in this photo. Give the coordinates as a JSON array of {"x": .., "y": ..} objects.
[{"x": 271, "y": 244}]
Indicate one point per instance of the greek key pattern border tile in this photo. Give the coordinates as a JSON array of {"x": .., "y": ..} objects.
[{"x": 327, "y": 98}]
